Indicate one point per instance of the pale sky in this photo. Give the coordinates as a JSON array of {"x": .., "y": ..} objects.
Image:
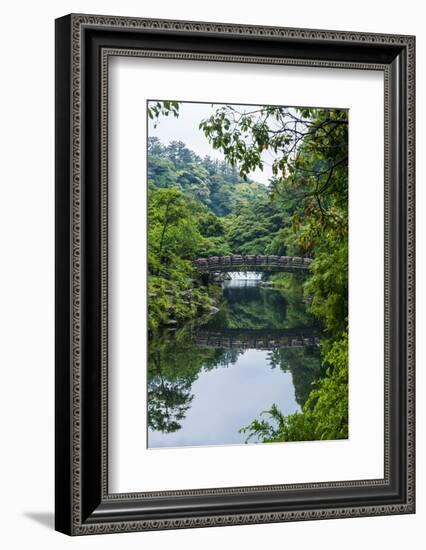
[{"x": 185, "y": 128}]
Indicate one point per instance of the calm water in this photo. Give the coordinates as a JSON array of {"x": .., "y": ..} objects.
[{"x": 206, "y": 383}]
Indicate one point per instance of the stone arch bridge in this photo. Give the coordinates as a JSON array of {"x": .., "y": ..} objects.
[{"x": 271, "y": 264}]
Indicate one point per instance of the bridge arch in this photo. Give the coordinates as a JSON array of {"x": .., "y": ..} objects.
[{"x": 237, "y": 262}]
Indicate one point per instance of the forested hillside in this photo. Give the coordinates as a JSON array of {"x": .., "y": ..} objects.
[{"x": 202, "y": 207}]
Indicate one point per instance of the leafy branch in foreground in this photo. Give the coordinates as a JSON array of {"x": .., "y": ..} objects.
[{"x": 164, "y": 108}]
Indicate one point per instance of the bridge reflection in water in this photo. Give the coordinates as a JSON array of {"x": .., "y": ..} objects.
[
  {"x": 260, "y": 263},
  {"x": 268, "y": 339}
]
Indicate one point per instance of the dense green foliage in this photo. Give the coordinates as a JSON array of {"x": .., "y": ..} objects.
[
  {"x": 176, "y": 234},
  {"x": 197, "y": 207},
  {"x": 203, "y": 207},
  {"x": 214, "y": 183}
]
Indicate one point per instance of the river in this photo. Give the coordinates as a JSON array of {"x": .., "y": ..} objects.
[{"x": 206, "y": 382}]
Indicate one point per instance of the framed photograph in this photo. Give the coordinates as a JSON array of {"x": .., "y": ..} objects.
[{"x": 234, "y": 274}]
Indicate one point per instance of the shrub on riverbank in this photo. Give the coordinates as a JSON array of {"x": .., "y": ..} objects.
[{"x": 325, "y": 413}]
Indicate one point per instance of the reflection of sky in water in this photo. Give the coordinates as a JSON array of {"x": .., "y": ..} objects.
[{"x": 228, "y": 398}]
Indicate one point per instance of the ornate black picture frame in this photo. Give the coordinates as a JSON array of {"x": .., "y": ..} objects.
[{"x": 84, "y": 44}]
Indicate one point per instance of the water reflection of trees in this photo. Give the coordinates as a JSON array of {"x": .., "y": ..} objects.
[
  {"x": 253, "y": 306},
  {"x": 175, "y": 362},
  {"x": 304, "y": 365}
]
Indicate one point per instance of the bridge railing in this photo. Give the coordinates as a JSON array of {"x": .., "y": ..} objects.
[{"x": 240, "y": 261}]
